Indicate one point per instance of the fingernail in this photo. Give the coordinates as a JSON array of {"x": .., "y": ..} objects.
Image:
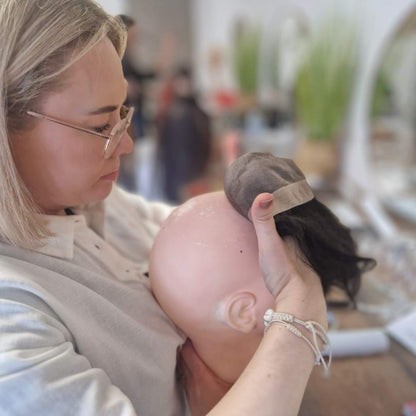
[{"x": 266, "y": 204}]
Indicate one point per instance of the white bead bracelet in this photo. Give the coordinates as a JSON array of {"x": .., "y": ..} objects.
[{"x": 316, "y": 329}]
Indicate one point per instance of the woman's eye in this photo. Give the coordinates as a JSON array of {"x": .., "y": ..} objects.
[{"x": 102, "y": 129}]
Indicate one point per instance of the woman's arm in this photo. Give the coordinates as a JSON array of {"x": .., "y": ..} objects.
[{"x": 276, "y": 377}]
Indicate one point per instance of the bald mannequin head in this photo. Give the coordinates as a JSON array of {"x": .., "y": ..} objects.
[{"x": 205, "y": 275}]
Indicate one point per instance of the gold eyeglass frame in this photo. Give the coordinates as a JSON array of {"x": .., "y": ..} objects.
[{"x": 118, "y": 130}]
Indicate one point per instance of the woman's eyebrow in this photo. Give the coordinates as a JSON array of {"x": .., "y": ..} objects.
[{"x": 105, "y": 109}]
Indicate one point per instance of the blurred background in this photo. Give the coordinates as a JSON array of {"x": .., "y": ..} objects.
[{"x": 330, "y": 84}]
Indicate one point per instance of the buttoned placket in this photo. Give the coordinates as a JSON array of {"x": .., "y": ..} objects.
[{"x": 121, "y": 268}]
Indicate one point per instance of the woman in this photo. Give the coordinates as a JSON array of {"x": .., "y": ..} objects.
[{"x": 80, "y": 330}]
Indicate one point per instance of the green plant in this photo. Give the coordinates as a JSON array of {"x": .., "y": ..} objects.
[
  {"x": 246, "y": 52},
  {"x": 324, "y": 82}
]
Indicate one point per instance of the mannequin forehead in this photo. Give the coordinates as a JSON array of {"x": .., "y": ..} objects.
[
  {"x": 206, "y": 247},
  {"x": 203, "y": 212},
  {"x": 209, "y": 225}
]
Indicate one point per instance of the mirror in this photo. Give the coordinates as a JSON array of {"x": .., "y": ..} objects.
[{"x": 393, "y": 123}]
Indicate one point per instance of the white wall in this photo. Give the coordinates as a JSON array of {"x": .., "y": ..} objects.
[
  {"x": 156, "y": 19},
  {"x": 114, "y": 6}
]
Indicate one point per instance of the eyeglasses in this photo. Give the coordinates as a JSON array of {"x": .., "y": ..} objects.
[{"x": 113, "y": 139}]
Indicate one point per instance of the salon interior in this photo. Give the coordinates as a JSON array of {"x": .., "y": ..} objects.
[{"x": 330, "y": 84}]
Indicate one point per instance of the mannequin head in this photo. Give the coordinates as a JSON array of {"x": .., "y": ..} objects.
[
  {"x": 204, "y": 264},
  {"x": 205, "y": 274}
]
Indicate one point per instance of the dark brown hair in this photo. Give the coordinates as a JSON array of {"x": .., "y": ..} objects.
[{"x": 327, "y": 245}]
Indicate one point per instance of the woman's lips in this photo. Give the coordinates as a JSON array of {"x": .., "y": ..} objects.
[{"x": 111, "y": 176}]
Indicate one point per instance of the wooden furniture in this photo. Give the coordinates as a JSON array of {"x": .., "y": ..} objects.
[{"x": 375, "y": 385}]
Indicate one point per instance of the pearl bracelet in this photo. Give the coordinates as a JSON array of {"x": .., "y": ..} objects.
[{"x": 316, "y": 329}]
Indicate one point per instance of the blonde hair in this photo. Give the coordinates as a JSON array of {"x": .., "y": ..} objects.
[{"x": 39, "y": 40}]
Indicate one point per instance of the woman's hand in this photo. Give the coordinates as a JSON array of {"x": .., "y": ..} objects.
[
  {"x": 276, "y": 267},
  {"x": 203, "y": 388},
  {"x": 295, "y": 286}
]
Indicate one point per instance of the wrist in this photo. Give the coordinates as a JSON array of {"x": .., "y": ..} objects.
[
  {"x": 280, "y": 340},
  {"x": 311, "y": 332},
  {"x": 304, "y": 298}
]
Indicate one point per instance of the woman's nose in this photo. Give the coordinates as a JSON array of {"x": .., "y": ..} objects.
[{"x": 125, "y": 146}]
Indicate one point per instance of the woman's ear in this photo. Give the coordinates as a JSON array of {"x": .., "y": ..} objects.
[{"x": 239, "y": 311}]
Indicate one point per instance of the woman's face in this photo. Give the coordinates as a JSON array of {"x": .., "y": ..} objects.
[{"x": 64, "y": 167}]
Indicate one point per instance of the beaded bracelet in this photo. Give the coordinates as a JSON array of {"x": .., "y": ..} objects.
[{"x": 316, "y": 329}]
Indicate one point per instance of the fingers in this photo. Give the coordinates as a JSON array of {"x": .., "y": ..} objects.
[{"x": 275, "y": 265}]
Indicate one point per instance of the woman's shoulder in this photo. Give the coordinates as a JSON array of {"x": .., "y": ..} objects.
[
  {"x": 17, "y": 272},
  {"x": 21, "y": 290}
]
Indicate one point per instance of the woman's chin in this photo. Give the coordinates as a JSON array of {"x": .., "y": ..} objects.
[{"x": 100, "y": 191}]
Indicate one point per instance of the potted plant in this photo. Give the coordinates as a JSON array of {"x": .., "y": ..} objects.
[
  {"x": 322, "y": 95},
  {"x": 245, "y": 57}
]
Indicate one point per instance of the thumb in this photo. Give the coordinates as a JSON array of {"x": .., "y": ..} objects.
[{"x": 275, "y": 264}]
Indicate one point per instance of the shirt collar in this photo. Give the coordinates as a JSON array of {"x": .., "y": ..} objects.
[{"x": 63, "y": 227}]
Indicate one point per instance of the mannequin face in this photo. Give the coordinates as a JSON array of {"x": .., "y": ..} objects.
[{"x": 205, "y": 275}]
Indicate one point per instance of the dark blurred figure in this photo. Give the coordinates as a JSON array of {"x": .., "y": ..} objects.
[
  {"x": 136, "y": 79},
  {"x": 184, "y": 137}
]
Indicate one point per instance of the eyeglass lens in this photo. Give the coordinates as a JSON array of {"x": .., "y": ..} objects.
[{"x": 117, "y": 133}]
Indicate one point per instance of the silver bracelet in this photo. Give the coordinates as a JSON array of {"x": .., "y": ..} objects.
[{"x": 315, "y": 328}]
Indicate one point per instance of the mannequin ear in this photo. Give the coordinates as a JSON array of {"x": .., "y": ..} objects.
[{"x": 240, "y": 311}]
